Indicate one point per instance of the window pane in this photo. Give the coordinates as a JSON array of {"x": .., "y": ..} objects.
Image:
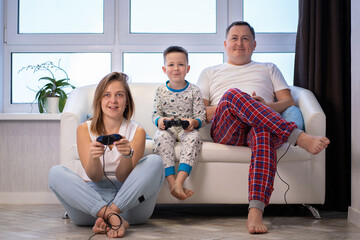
[
  {"x": 273, "y": 15},
  {"x": 61, "y": 16},
  {"x": 147, "y": 67},
  {"x": 284, "y": 61},
  {"x": 82, "y": 69},
  {"x": 173, "y": 16}
]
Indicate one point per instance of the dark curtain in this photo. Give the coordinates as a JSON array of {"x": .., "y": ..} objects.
[{"x": 322, "y": 65}]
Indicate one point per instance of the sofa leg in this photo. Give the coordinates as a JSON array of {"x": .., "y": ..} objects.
[
  {"x": 66, "y": 216},
  {"x": 313, "y": 210}
]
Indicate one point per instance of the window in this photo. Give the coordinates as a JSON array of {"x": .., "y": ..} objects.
[
  {"x": 167, "y": 16},
  {"x": 84, "y": 69},
  {"x": 130, "y": 36},
  {"x": 65, "y": 16},
  {"x": 266, "y": 19}
]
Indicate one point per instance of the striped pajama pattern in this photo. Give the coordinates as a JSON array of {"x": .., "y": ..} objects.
[{"x": 240, "y": 120}]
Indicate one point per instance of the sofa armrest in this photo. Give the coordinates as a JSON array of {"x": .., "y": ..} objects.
[
  {"x": 79, "y": 102},
  {"x": 314, "y": 116},
  {"x": 315, "y": 124},
  {"x": 77, "y": 109}
]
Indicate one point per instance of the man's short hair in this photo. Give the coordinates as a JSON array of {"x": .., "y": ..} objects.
[
  {"x": 240, "y": 23},
  {"x": 172, "y": 49}
]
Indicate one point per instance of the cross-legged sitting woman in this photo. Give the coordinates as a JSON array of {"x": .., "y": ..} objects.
[{"x": 118, "y": 186}]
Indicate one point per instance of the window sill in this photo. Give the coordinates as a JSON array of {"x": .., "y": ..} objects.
[{"x": 29, "y": 116}]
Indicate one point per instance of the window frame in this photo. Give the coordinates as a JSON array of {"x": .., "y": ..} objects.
[{"x": 118, "y": 40}]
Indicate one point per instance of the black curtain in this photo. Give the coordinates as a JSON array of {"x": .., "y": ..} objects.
[{"x": 322, "y": 65}]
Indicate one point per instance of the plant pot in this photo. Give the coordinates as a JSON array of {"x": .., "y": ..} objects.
[{"x": 52, "y": 105}]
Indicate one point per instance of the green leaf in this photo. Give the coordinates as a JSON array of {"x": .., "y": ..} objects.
[
  {"x": 42, "y": 104},
  {"x": 53, "y": 80},
  {"x": 62, "y": 101}
]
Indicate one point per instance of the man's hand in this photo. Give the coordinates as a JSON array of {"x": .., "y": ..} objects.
[
  {"x": 258, "y": 98},
  {"x": 210, "y": 110}
]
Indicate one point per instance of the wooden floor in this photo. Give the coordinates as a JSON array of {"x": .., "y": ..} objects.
[{"x": 181, "y": 222}]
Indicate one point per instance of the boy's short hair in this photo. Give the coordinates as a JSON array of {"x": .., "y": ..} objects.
[{"x": 172, "y": 49}]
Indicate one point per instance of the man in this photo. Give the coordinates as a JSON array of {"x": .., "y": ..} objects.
[{"x": 243, "y": 100}]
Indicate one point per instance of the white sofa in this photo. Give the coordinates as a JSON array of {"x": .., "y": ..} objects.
[{"x": 221, "y": 174}]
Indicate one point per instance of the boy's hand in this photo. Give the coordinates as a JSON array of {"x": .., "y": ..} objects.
[
  {"x": 193, "y": 123},
  {"x": 161, "y": 124}
]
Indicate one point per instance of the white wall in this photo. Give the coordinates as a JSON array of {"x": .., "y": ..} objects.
[
  {"x": 28, "y": 149},
  {"x": 354, "y": 209}
]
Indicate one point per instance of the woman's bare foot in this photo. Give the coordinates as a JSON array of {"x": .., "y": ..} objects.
[
  {"x": 178, "y": 191},
  {"x": 117, "y": 232},
  {"x": 312, "y": 144},
  {"x": 254, "y": 222},
  {"x": 99, "y": 226}
]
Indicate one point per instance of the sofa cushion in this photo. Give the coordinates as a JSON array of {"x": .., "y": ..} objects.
[
  {"x": 215, "y": 152},
  {"x": 293, "y": 114}
]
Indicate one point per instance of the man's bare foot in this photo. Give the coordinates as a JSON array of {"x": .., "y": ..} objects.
[
  {"x": 99, "y": 226},
  {"x": 178, "y": 191},
  {"x": 254, "y": 222},
  {"x": 116, "y": 231},
  {"x": 312, "y": 144}
]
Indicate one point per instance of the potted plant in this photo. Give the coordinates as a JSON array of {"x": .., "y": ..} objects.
[{"x": 52, "y": 89}]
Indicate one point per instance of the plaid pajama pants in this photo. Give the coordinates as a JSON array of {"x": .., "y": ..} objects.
[{"x": 240, "y": 120}]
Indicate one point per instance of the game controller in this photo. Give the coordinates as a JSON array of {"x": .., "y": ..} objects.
[
  {"x": 176, "y": 122},
  {"x": 108, "y": 139}
]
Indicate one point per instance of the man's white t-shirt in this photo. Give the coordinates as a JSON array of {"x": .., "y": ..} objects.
[{"x": 262, "y": 78}]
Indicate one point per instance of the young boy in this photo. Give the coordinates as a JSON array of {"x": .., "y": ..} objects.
[{"x": 176, "y": 100}]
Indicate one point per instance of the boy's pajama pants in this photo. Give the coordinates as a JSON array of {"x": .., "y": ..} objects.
[{"x": 190, "y": 148}]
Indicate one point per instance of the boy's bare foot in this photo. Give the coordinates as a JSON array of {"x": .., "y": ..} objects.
[
  {"x": 254, "y": 222},
  {"x": 99, "y": 226},
  {"x": 180, "y": 192},
  {"x": 312, "y": 144}
]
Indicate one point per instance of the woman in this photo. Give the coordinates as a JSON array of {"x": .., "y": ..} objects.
[{"x": 126, "y": 193}]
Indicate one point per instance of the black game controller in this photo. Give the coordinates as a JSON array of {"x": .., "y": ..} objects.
[
  {"x": 108, "y": 139},
  {"x": 176, "y": 122}
]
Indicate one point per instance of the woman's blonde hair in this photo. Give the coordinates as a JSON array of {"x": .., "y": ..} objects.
[{"x": 97, "y": 124}]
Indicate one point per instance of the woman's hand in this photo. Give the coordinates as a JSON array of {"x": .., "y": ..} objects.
[
  {"x": 123, "y": 146},
  {"x": 96, "y": 150}
]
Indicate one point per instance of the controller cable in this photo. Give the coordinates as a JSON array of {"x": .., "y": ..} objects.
[
  {"x": 116, "y": 227},
  {"x": 113, "y": 227},
  {"x": 277, "y": 172}
]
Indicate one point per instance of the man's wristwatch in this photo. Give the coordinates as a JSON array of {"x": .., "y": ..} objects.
[{"x": 130, "y": 154}]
